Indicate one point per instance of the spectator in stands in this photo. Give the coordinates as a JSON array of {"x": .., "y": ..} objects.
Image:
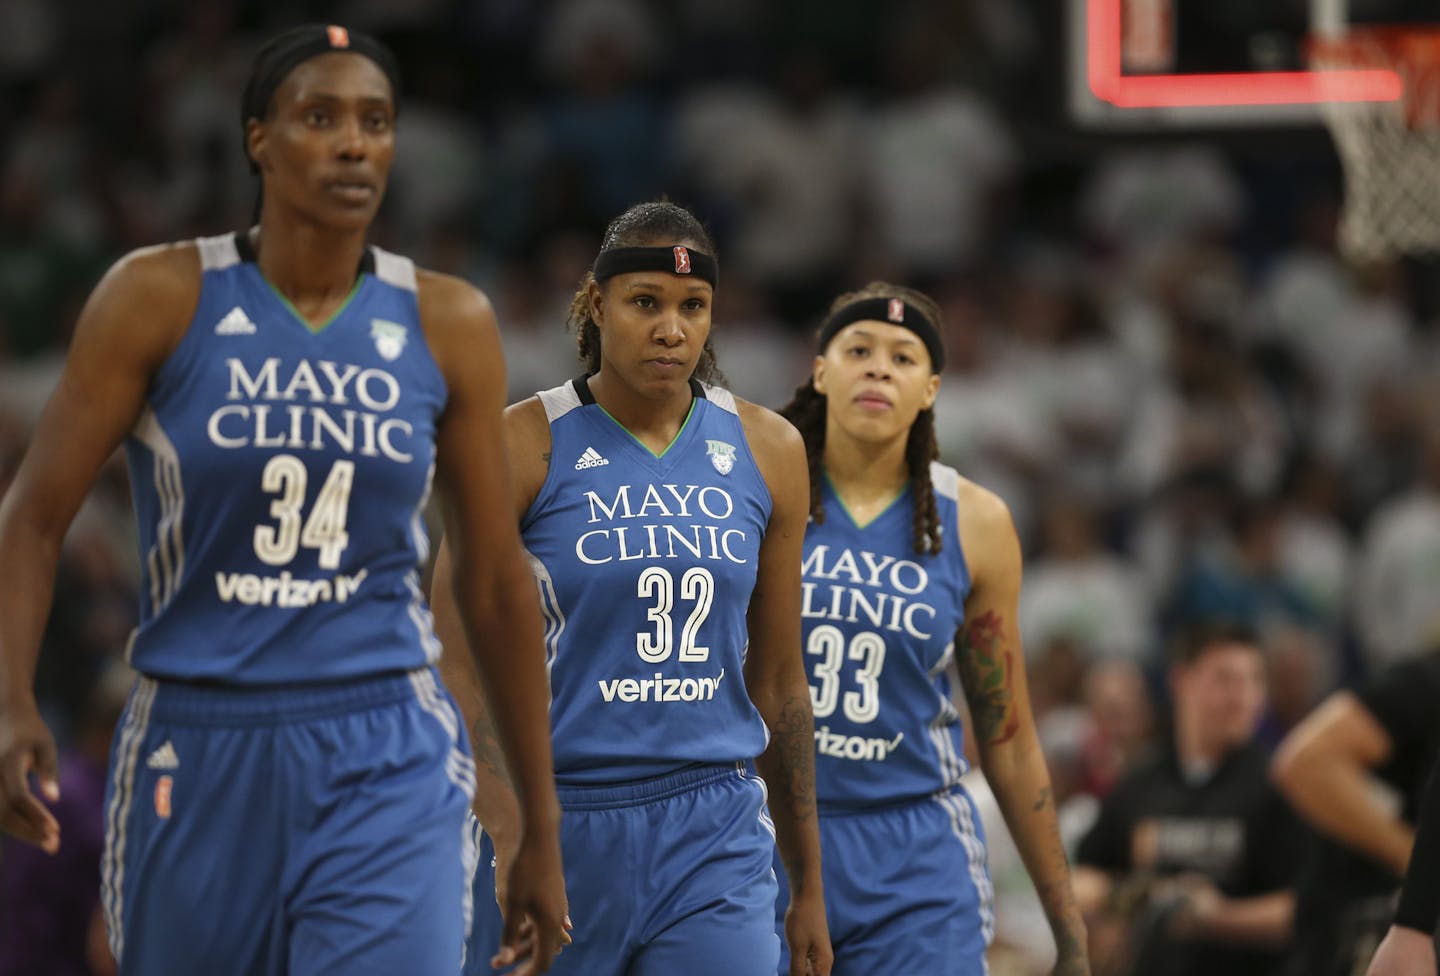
[{"x": 1191, "y": 864}]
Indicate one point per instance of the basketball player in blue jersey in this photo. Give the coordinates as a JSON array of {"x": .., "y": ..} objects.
[
  {"x": 908, "y": 568},
  {"x": 289, "y": 781},
  {"x": 663, "y": 518}
]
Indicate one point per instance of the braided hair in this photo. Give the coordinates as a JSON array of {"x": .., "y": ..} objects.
[
  {"x": 807, "y": 409},
  {"x": 645, "y": 224}
]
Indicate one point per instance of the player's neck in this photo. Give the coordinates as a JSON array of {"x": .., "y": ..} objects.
[
  {"x": 653, "y": 422},
  {"x": 863, "y": 471},
  {"x": 308, "y": 264}
]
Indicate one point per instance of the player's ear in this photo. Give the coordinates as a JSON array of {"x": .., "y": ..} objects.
[
  {"x": 256, "y": 145},
  {"x": 595, "y": 297},
  {"x": 817, "y": 374}
]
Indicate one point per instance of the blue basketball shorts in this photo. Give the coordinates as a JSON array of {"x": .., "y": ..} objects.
[
  {"x": 665, "y": 876},
  {"x": 289, "y": 831},
  {"x": 907, "y": 889}
]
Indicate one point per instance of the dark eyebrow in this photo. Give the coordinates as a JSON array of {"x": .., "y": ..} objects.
[
  {"x": 331, "y": 97},
  {"x": 695, "y": 286},
  {"x": 908, "y": 339}
]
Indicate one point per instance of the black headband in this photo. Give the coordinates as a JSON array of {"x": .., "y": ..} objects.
[
  {"x": 896, "y": 311},
  {"x": 283, "y": 52},
  {"x": 677, "y": 260}
]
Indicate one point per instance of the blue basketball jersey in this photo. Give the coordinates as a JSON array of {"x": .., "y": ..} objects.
[
  {"x": 879, "y": 630},
  {"x": 279, "y": 474},
  {"x": 645, "y": 566}
]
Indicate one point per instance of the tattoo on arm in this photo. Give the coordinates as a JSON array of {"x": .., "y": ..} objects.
[
  {"x": 791, "y": 758},
  {"x": 1042, "y": 801},
  {"x": 984, "y": 659},
  {"x": 489, "y": 757},
  {"x": 545, "y": 457},
  {"x": 788, "y": 767}
]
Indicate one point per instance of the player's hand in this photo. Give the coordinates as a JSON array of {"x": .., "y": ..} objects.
[
  {"x": 1403, "y": 952},
  {"x": 537, "y": 923},
  {"x": 808, "y": 934},
  {"x": 505, "y": 850},
  {"x": 26, "y": 748}
]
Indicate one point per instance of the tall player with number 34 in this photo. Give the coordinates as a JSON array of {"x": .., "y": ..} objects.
[{"x": 289, "y": 781}]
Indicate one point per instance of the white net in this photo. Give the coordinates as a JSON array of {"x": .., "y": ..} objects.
[{"x": 1390, "y": 150}]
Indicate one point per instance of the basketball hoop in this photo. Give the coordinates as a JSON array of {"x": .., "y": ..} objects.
[{"x": 1390, "y": 149}]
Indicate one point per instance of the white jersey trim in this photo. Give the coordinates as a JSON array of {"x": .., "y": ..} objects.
[
  {"x": 394, "y": 269},
  {"x": 962, "y": 823},
  {"x": 559, "y": 401},
  {"x": 217, "y": 253},
  {"x": 117, "y": 817},
  {"x": 721, "y": 397},
  {"x": 165, "y": 563},
  {"x": 946, "y": 480},
  {"x": 551, "y": 610}
]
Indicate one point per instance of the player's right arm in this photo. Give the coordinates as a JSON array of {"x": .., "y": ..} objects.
[
  {"x": 133, "y": 320},
  {"x": 1323, "y": 767}
]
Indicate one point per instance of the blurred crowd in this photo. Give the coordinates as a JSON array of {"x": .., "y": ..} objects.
[{"x": 1195, "y": 408}]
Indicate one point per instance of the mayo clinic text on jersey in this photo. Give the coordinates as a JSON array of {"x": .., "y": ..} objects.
[{"x": 314, "y": 427}]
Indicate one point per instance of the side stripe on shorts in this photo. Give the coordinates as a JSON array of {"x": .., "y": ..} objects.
[
  {"x": 962, "y": 823},
  {"x": 112, "y": 866}
]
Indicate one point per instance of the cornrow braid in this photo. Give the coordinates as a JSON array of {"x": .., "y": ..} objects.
[
  {"x": 806, "y": 411},
  {"x": 645, "y": 224},
  {"x": 920, "y": 450}
]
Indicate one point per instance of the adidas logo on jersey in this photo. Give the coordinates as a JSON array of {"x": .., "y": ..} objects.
[
  {"x": 590, "y": 459},
  {"x": 235, "y": 322},
  {"x": 164, "y": 757}
]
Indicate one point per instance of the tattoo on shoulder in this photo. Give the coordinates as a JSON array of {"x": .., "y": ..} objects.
[
  {"x": 984, "y": 659},
  {"x": 545, "y": 457}
]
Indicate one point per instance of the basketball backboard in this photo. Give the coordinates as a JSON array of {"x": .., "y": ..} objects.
[{"x": 1164, "y": 64}]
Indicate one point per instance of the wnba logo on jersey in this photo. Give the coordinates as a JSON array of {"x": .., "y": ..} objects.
[
  {"x": 164, "y": 787},
  {"x": 389, "y": 338},
  {"x": 722, "y": 455}
]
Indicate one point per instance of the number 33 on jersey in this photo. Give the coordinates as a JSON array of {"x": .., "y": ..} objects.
[{"x": 879, "y": 628}]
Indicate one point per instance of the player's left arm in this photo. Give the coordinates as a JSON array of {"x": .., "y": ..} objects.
[
  {"x": 776, "y": 681},
  {"x": 992, "y": 673},
  {"x": 496, "y": 598}
]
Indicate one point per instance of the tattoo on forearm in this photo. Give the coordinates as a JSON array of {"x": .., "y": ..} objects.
[
  {"x": 489, "y": 757},
  {"x": 1042, "y": 801},
  {"x": 788, "y": 767},
  {"x": 1052, "y": 884},
  {"x": 792, "y": 747},
  {"x": 984, "y": 659}
]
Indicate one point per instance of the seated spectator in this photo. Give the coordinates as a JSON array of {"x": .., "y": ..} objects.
[{"x": 1191, "y": 864}]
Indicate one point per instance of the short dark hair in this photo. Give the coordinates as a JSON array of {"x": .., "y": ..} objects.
[
  {"x": 289, "y": 49},
  {"x": 1197, "y": 639}
]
